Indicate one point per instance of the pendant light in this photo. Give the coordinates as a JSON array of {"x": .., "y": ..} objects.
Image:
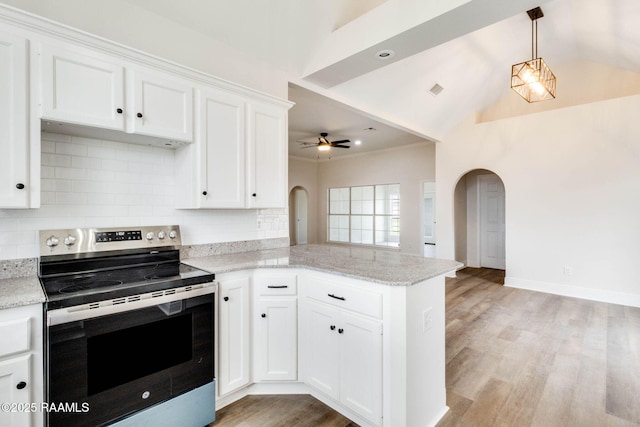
[{"x": 533, "y": 80}]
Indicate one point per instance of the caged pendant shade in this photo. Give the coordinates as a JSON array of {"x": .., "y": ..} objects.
[{"x": 533, "y": 80}]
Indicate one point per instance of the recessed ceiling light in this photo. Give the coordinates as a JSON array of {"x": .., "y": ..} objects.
[
  {"x": 357, "y": 142},
  {"x": 369, "y": 129},
  {"x": 385, "y": 54}
]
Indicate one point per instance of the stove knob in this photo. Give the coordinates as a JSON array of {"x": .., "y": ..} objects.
[
  {"x": 161, "y": 235},
  {"x": 173, "y": 234},
  {"x": 150, "y": 235},
  {"x": 69, "y": 240},
  {"x": 52, "y": 241}
]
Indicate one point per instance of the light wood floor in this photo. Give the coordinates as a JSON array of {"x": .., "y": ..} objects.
[{"x": 514, "y": 358}]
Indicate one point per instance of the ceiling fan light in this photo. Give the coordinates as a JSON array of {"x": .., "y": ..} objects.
[{"x": 324, "y": 147}]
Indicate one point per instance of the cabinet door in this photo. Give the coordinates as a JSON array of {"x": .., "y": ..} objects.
[
  {"x": 14, "y": 372},
  {"x": 322, "y": 369},
  {"x": 14, "y": 183},
  {"x": 233, "y": 331},
  {"x": 161, "y": 107},
  {"x": 221, "y": 137},
  {"x": 81, "y": 89},
  {"x": 361, "y": 365},
  {"x": 276, "y": 344},
  {"x": 267, "y": 159}
]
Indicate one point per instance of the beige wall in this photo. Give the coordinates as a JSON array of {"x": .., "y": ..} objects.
[
  {"x": 304, "y": 173},
  {"x": 408, "y": 166}
]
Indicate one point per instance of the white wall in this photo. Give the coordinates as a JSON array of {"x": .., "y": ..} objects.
[
  {"x": 93, "y": 183},
  {"x": 408, "y": 166},
  {"x": 572, "y": 197}
]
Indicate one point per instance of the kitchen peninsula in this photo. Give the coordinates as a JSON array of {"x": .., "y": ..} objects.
[{"x": 362, "y": 330}]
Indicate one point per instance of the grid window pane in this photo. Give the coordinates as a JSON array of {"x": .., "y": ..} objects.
[{"x": 368, "y": 215}]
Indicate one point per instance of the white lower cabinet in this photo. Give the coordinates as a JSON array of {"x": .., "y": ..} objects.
[
  {"x": 21, "y": 374},
  {"x": 234, "y": 353},
  {"x": 275, "y": 339},
  {"x": 343, "y": 357},
  {"x": 275, "y": 327}
]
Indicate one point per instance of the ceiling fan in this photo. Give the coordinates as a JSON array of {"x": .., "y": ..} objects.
[{"x": 324, "y": 144}]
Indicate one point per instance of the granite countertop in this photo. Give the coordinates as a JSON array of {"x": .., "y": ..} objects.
[
  {"x": 373, "y": 265},
  {"x": 19, "y": 291}
]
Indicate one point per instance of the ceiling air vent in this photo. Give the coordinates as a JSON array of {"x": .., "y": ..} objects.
[{"x": 436, "y": 89}]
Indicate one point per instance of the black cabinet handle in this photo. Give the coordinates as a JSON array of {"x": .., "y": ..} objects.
[
  {"x": 332, "y": 327},
  {"x": 340, "y": 330},
  {"x": 21, "y": 385},
  {"x": 226, "y": 298},
  {"x": 336, "y": 297},
  {"x": 253, "y": 195},
  {"x": 139, "y": 115},
  {"x": 20, "y": 186},
  {"x": 263, "y": 315},
  {"x": 204, "y": 193},
  {"x": 277, "y": 286},
  {"x": 119, "y": 111}
]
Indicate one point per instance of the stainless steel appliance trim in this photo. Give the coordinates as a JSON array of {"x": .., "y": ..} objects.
[
  {"x": 133, "y": 302},
  {"x": 75, "y": 241}
]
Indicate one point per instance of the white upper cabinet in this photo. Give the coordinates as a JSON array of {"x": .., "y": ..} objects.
[
  {"x": 161, "y": 106},
  {"x": 14, "y": 119},
  {"x": 218, "y": 181},
  {"x": 86, "y": 88},
  {"x": 239, "y": 159},
  {"x": 267, "y": 156},
  {"x": 81, "y": 89}
]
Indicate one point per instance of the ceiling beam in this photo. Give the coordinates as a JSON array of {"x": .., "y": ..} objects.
[{"x": 405, "y": 27}]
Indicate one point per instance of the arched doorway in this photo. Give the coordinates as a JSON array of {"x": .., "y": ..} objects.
[
  {"x": 479, "y": 220},
  {"x": 298, "y": 216}
]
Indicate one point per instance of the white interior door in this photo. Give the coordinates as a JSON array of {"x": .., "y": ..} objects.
[
  {"x": 492, "y": 237},
  {"x": 301, "y": 216}
]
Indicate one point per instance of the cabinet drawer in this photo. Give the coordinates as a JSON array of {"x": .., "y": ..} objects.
[
  {"x": 344, "y": 296},
  {"x": 275, "y": 285},
  {"x": 14, "y": 336}
]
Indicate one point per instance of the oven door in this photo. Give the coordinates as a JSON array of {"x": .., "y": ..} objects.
[{"x": 101, "y": 369}]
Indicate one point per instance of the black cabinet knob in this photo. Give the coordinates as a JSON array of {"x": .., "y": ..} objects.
[
  {"x": 21, "y": 385},
  {"x": 226, "y": 298},
  {"x": 204, "y": 193},
  {"x": 253, "y": 195},
  {"x": 263, "y": 315},
  {"x": 20, "y": 186},
  {"x": 119, "y": 111},
  {"x": 139, "y": 115},
  {"x": 332, "y": 327},
  {"x": 340, "y": 330}
]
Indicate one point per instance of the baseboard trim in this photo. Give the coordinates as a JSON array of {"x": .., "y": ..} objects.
[{"x": 600, "y": 295}]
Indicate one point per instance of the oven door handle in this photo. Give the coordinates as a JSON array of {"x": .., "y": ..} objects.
[{"x": 134, "y": 302}]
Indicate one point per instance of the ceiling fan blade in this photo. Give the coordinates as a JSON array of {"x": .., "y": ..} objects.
[
  {"x": 341, "y": 146},
  {"x": 310, "y": 146},
  {"x": 343, "y": 141}
]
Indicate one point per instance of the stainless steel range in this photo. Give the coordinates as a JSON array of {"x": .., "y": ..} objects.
[{"x": 129, "y": 329}]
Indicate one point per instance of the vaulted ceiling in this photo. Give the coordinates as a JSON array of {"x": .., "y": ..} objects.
[{"x": 328, "y": 49}]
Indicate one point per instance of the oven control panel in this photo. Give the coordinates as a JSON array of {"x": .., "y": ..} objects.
[{"x": 87, "y": 240}]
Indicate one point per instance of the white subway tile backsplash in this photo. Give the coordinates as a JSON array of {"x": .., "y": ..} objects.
[
  {"x": 48, "y": 146},
  {"x": 70, "y": 173},
  {"x": 95, "y": 183},
  {"x": 85, "y": 163},
  {"x": 71, "y": 149}
]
